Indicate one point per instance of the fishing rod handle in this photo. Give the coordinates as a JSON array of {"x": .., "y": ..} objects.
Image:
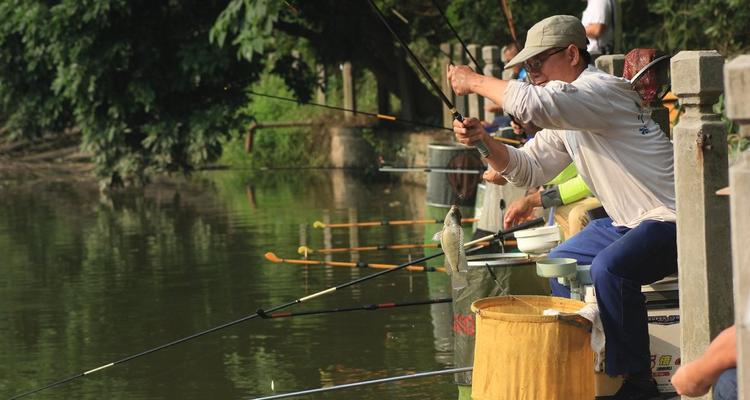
[{"x": 481, "y": 147}]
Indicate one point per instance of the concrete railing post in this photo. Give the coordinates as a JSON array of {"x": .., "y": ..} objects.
[
  {"x": 348, "y": 89},
  {"x": 460, "y": 58},
  {"x": 737, "y": 87},
  {"x": 700, "y": 153},
  {"x": 491, "y": 59},
  {"x": 475, "y": 101},
  {"x": 506, "y": 74},
  {"x": 612, "y": 64}
]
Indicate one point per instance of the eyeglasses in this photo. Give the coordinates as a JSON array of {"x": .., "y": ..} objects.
[{"x": 535, "y": 64}]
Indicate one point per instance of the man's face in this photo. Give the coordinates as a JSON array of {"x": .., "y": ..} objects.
[{"x": 556, "y": 64}]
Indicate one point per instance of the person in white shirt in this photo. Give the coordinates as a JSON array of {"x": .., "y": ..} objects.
[
  {"x": 596, "y": 121},
  {"x": 599, "y": 20}
]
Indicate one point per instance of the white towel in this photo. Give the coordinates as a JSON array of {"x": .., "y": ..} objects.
[{"x": 591, "y": 313}]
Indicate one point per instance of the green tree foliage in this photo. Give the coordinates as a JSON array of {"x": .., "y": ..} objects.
[
  {"x": 157, "y": 85},
  {"x": 140, "y": 78},
  {"x": 483, "y": 21},
  {"x": 334, "y": 32},
  {"x": 720, "y": 25}
]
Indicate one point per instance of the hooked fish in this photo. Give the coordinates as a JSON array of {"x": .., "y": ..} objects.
[{"x": 451, "y": 239}]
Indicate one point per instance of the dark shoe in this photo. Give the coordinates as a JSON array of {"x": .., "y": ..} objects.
[{"x": 637, "y": 389}]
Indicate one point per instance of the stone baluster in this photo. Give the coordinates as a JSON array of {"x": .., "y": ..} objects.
[
  {"x": 491, "y": 60},
  {"x": 737, "y": 89},
  {"x": 700, "y": 152},
  {"x": 459, "y": 58},
  {"x": 475, "y": 101},
  {"x": 348, "y": 89},
  {"x": 612, "y": 64},
  {"x": 506, "y": 74}
]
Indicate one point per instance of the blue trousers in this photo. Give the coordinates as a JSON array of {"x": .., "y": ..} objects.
[
  {"x": 622, "y": 260},
  {"x": 726, "y": 387}
]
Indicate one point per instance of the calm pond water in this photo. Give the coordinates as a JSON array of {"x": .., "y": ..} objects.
[{"x": 87, "y": 280}]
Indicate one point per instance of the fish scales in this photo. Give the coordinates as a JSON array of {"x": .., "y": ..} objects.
[{"x": 451, "y": 239}]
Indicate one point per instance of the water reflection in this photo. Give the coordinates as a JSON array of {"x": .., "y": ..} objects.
[{"x": 88, "y": 280}]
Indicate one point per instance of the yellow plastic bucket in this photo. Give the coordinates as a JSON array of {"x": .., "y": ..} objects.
[{"x": 521, "y": 354}]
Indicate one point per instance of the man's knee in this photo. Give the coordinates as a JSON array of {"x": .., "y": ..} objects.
[
  {"x": 601, "y": 268},
  {"x": 561, "y": 251},
  {"x": 558, "y": 253}
]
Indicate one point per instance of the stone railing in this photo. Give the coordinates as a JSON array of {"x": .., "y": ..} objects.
[
  {"x": 737, "y": 87},
  {"x": 703, "y": 237}
]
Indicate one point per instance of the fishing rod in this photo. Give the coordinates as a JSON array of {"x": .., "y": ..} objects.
[
  {"x": 304, "y": 250},
  {"x": 511, "y": 26},
  {"x": 430, "y": 169},
  {"x": 270, "y": 256},
  {"x": 320, "y": 224},
  {"x": 364, "y": 383},
  {"x": 384, "y": 117},
  {"x": 260, "y": 312},
  {"x": 365, "y": 307},
  {"x": 456, "y": 115}
]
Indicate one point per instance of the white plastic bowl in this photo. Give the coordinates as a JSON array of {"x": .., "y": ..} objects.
[{"x": 538, "y": 240}]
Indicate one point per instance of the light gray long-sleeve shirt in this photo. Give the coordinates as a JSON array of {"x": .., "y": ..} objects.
[{"x": 598, "y": 123}]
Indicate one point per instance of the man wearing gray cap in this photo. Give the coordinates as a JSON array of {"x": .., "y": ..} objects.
[{"x": 596, "y": 121}]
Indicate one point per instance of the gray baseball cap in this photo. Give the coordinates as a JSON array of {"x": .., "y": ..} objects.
[{"x": 549, "y": 33}]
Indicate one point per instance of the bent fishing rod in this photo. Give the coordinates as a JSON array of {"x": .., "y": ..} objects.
[
  {"x": 481, "y": 147},
  {"x": 260, "y": 312}
]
